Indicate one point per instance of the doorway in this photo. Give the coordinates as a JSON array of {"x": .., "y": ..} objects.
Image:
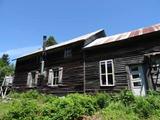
[{"x": 137, "y": 80}]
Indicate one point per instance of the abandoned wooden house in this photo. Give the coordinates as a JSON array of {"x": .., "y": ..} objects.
[
  {"x": 63, "y": 70},
  {"x": 94, "y": 62}
]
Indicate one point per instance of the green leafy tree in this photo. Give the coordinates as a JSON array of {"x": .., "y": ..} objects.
[
  {"x": 5, "y": 58},
  {"x": 50, "y": 41},
  {"x": 5, "y": 67}
]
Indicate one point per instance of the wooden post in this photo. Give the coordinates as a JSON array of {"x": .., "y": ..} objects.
[
  {"x": 84, "y": 73},
  {"x": 128, "y": 77}
]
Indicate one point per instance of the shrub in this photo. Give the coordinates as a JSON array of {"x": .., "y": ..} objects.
[
  {"x": 123, "y": 106},
  {"x": 117, "y": 111},
  {"x": 153, "y": 93},
  {"x": 48, "y": 110},
  {"x": 87, "y": 102},
  {"x": 154, "y": 101},
  {"x": 67, "y": 109},
  {"x": 127, "y": 97},
  {"x": 143, "y": 108},
  {"x": 31, "y": 94},
  {"x": 14, "y": 94},
  {"x": 28, "y": 106},
  {"x": 102, "y": 100},
  {"x": 22, "y": 109}
]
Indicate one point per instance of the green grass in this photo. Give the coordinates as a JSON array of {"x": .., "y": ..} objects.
[{"x": 4, "y": 108}]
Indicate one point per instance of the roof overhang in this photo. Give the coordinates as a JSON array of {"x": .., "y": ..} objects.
[{"x": 152, "y": 54}]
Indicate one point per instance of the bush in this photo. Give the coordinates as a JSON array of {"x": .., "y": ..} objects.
[
  {"x": 87, "y": 102},
  {"x": 102, "y": 100},
  {"x": 73, "y": 106},
  {"x": 31, "y": 94},
  {"x": 22, "y": 109},
  {"x": 143, "y": 108},
  {"x": 67, "y": 109},
  {"x": 70, "y": 107},
  {"x": 117, "y": 111},
  {"x": 127, "y": 97},
  {"x": 35, "y": 106}
]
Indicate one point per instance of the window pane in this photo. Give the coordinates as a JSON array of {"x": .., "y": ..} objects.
[
  {"x": 56, "y": 76},
  {"x": 103, "y": 79},
  {"x": 55, "y": 73},
  {"x": 137, "y": 84},
  {"x": 68, "y": 52},
  {"x": 33, "y": 74},
  {"x": 109, "y": 66},
  {"x": 135, "y": 76},
  {"x": 103, "y": 68},
  {"x": 54, "y": 81},
  {"x": 135, "y": 68},
  {"x": 110, "y": 79}
]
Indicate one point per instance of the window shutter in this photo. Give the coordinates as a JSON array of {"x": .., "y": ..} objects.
[
  {"x": 60, "y": 75},
  {"x": 50, "y": 77},
  {"x": 36, "y": 77},
  {"x": 29, "y": 79}
]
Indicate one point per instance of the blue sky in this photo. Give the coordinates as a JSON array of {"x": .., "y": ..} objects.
[{"x": 24, "y": 22}]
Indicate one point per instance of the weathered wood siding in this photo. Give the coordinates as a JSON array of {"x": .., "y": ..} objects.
[
  {"x": 73, "y": 74},
  {"x": 23, "y": 66},
  {"x": 72, "y": 68},
  {"x": 123, "y": 54}
]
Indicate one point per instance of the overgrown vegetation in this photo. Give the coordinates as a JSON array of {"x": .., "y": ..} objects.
[{"x": 123, "y": 106}]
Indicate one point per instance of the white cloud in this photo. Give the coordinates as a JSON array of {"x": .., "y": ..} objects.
[{"x": 14, "y": 53}]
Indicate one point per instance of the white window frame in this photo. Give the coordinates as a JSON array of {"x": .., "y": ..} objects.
[
  {"x": 60, "y": 74},
  {"x": 32, "y": 81},
  {"x": 106, "y": 73}
]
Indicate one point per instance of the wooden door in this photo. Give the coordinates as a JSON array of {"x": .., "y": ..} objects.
[{"x": 137, "y": 80}]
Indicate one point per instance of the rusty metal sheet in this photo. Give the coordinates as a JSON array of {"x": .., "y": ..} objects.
[{"x": 124, "y": 36}]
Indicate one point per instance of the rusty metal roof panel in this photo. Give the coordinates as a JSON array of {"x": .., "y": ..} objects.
[{"x": 124, "y": 36}]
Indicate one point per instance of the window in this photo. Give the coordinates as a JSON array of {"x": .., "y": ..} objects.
[
  {"x": 55, "y": 76},
  {"x": 67, "y": 52},
  {"x": 135, "y": 72},
  {"x": 107, "y": 73},
  {"x": 136, "y": 76},
  {"x": 32, "y": 78}
]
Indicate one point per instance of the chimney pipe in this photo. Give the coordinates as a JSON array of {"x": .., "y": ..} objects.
[
  {"x": 43, "y": 54},
  {"x": 44, "y": 42}
]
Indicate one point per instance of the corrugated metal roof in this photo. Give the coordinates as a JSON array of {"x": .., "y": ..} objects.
[
  {"x": 84, "y": 37},
  {"x": 123, "y": 36}
]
